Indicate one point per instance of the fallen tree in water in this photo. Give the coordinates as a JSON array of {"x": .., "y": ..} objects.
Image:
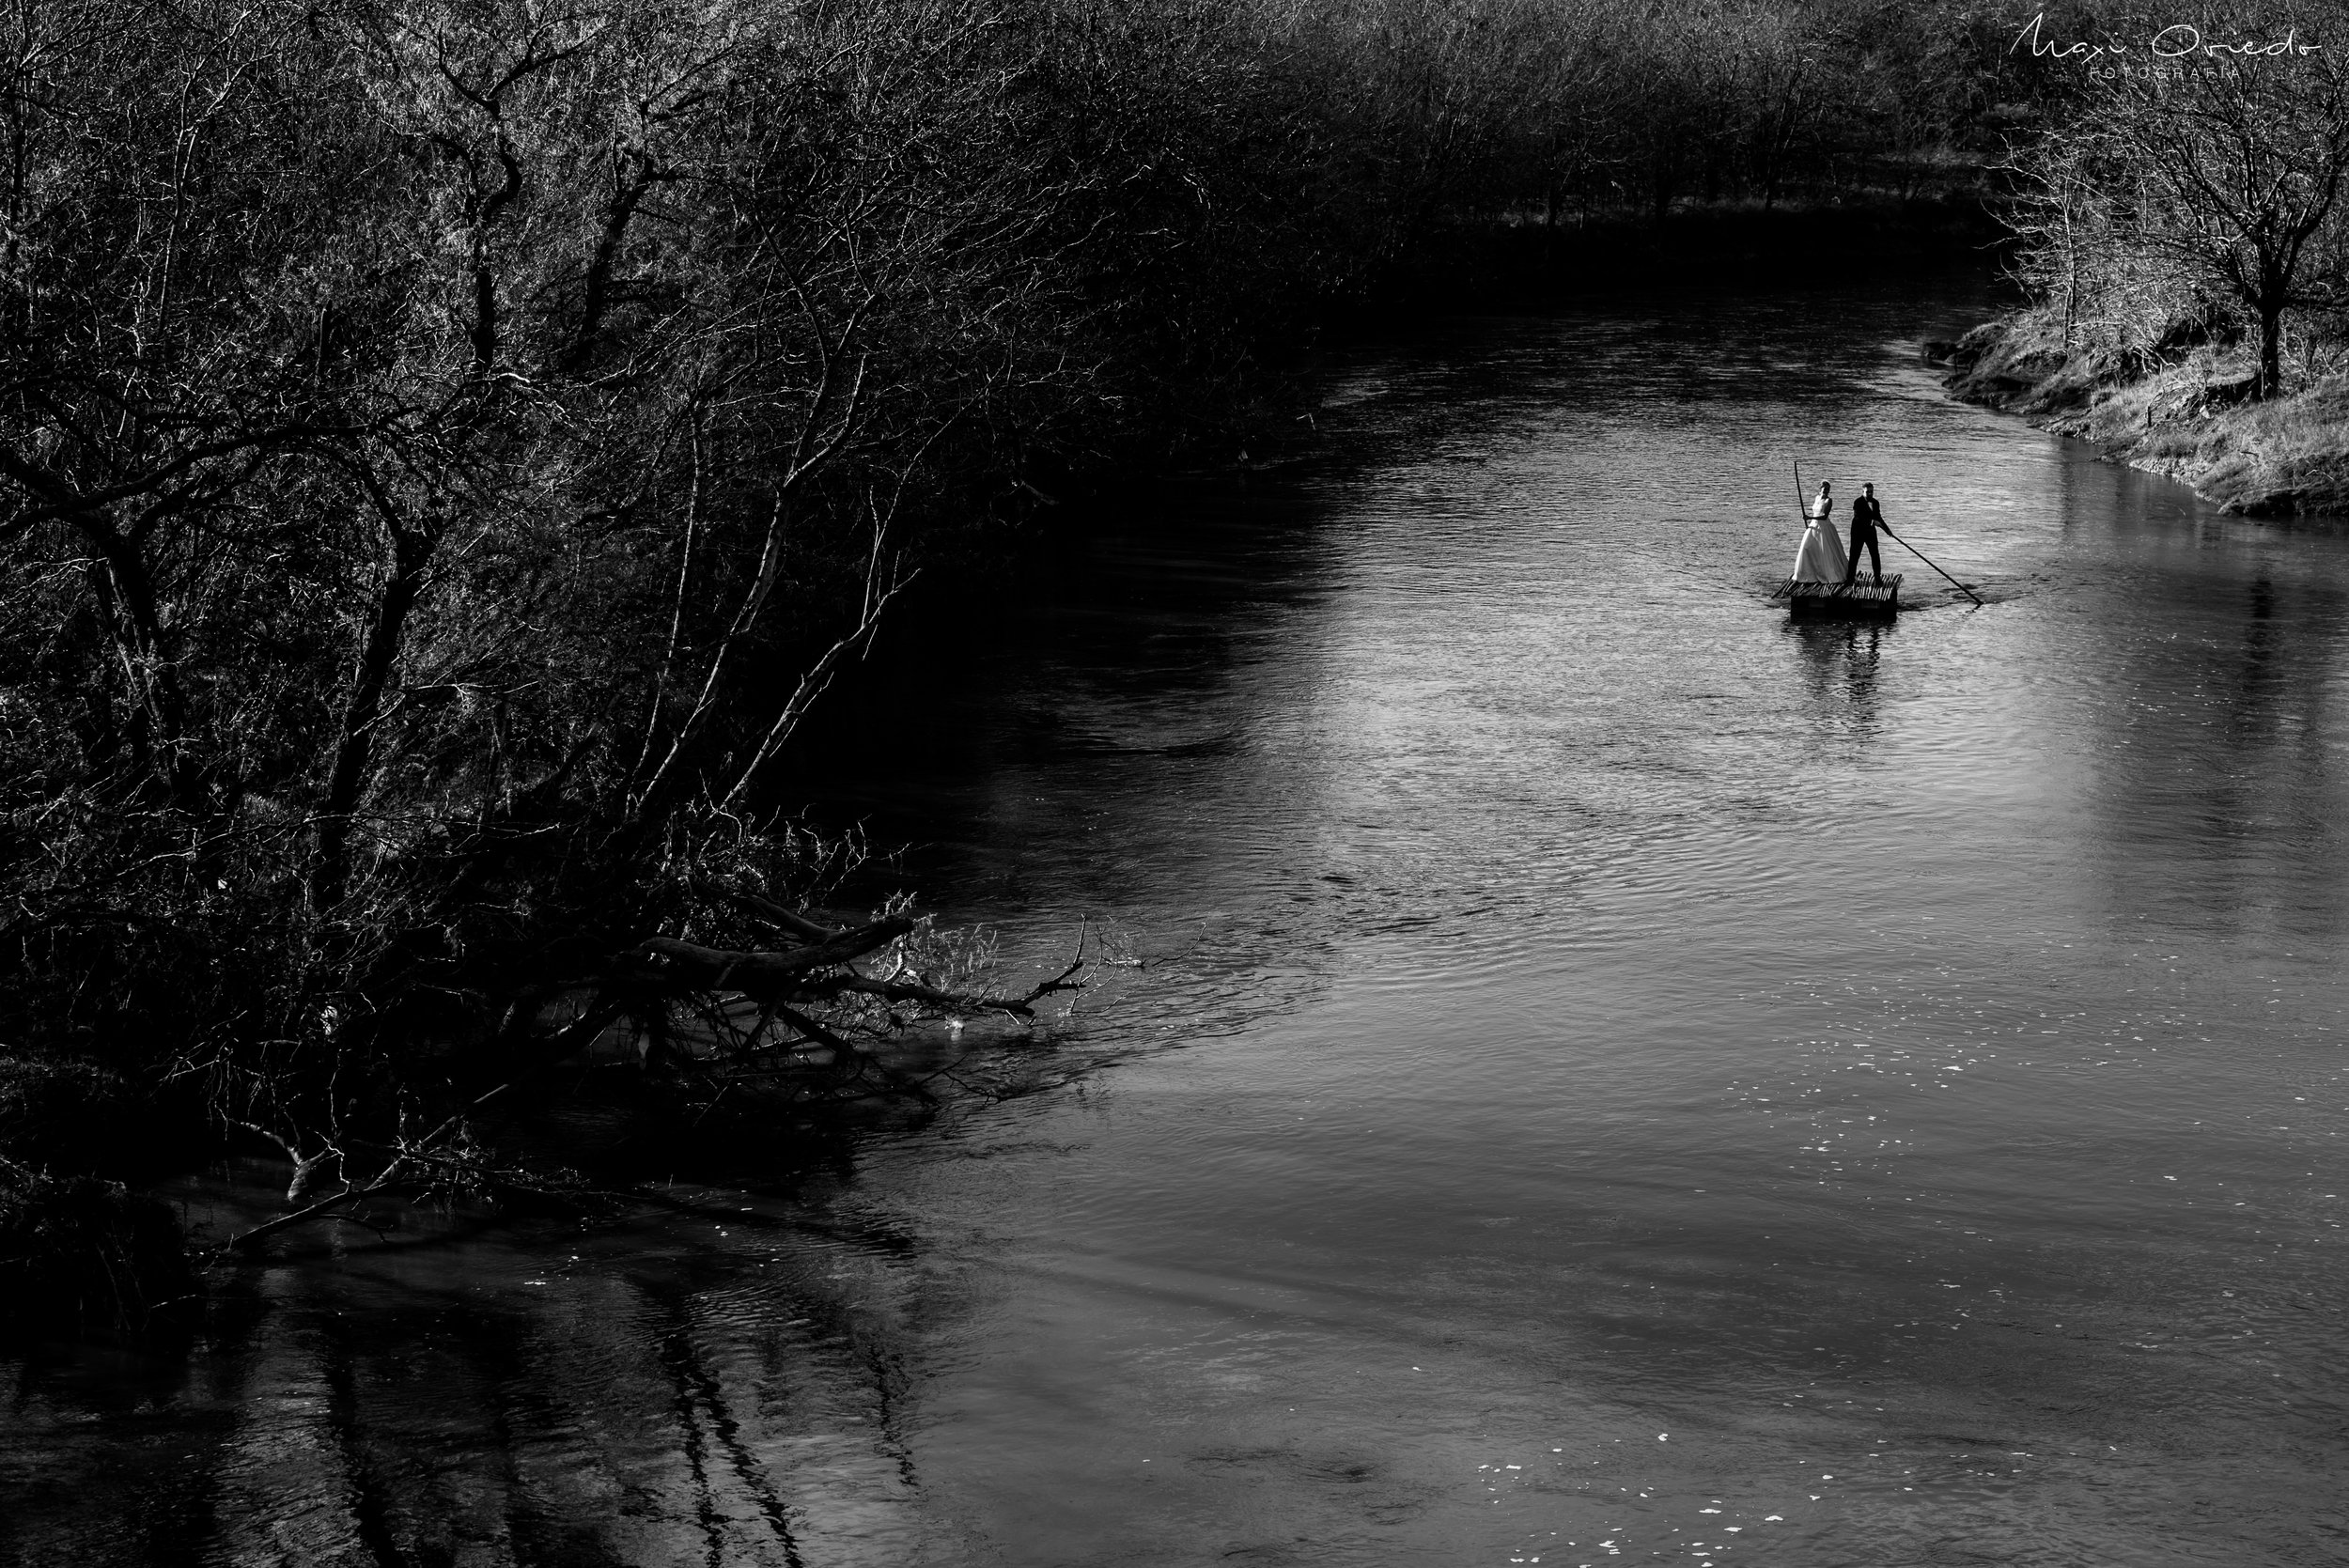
[{"x": 803, "y": 1022}]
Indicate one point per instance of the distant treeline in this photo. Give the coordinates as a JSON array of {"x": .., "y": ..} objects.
[{"x": 447, "y": 446}]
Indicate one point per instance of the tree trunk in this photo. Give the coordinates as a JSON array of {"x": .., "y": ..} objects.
[
  {"x": 159, "y": 709},
  {"x": 411, "y": 554},
  {"x": 2271, "y": 350},
  {"x": 595, "y": 296}
]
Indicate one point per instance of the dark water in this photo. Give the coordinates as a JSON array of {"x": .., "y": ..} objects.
[{"x": 1612, "y": 1074}]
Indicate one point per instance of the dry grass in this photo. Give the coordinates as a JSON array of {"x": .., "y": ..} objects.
[{"x": 2185, "y": 416}]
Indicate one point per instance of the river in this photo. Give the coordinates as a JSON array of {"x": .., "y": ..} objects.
[{"x": 1605, "y": 1074}]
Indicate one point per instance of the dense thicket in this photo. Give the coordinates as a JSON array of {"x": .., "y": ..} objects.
[{"x": 448, "y": 444}]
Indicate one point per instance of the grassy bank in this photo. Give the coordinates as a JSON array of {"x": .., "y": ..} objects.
[{"x": 2184, "y": 409}]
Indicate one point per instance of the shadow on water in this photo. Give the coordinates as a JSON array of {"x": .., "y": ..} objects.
[
  {"x": 1840, "y": 665},
  {"x": 726, "y": 1386},
  {"x": 1106, "y": 664}
]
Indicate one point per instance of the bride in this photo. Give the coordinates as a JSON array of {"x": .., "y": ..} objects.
[{"x": 1821, "y": 558}]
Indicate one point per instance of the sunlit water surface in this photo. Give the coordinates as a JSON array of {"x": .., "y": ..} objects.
[{"x": 1612, "y": 1074}]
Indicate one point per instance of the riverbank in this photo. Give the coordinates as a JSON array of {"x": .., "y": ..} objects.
[{"x": 2184, "y": 412}]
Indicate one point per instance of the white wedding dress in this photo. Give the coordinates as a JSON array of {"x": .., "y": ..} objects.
[{"x": 1820, "y": 557}]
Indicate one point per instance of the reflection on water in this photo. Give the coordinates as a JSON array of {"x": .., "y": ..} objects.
[
  {"x": 1839, "y": 665},
  {"x": 1615, "y": 1074}
]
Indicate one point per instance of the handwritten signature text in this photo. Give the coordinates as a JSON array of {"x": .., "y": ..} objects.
[{"x": 2171, "y": 44}]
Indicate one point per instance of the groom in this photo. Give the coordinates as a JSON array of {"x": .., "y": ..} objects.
[{"x": 1865, "y": 515}]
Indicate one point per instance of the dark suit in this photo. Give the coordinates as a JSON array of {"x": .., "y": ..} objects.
[{"x": 1865, "y": 515}]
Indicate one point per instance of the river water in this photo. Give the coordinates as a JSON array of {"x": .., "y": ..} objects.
[{"x": 1608, "y": 1075}]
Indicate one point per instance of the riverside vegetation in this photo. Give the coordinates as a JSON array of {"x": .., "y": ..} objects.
[
  {"x": 2182, "y": 241},
  {"x": 449, "y": 444}
]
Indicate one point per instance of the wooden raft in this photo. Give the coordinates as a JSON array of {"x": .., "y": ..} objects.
[{"x": 1862, "y": 598}]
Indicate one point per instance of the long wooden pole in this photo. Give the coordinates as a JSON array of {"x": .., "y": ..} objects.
[
  {"x": 1928, "y": 561},
  {"x": 1801, "y": 512}
]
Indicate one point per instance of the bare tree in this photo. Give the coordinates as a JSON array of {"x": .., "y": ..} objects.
[{"x": 2223, "y": 166}]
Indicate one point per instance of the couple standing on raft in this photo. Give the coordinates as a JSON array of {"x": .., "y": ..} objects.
[{"x": 1821, "y": 558}]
